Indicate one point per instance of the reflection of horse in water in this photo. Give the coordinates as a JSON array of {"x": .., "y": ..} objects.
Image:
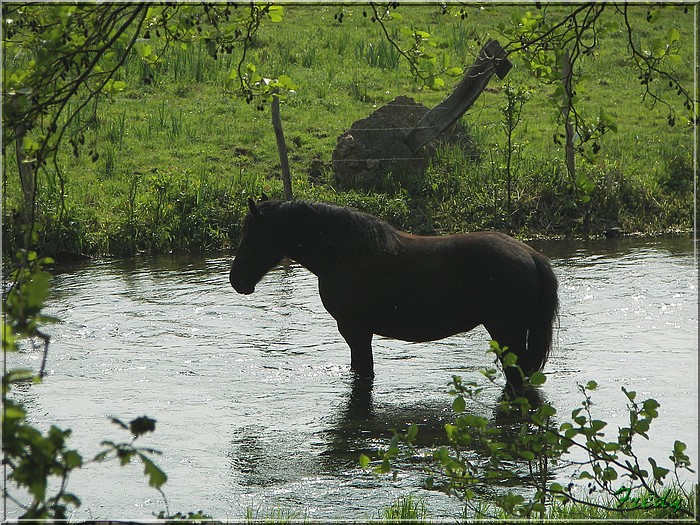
[
  {"x": 365, "y": 424},
  {"x": 374, "y": 279}
]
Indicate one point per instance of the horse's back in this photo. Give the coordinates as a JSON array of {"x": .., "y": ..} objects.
[
  {"x": 480, "y": 255},
  {"x": 435, "y": 286}
]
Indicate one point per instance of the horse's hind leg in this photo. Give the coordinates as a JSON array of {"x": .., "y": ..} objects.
[
  {"x": 515, "y": 339},
  {"x": 360, "y": 343}
]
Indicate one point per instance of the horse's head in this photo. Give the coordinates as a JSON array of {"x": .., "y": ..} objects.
[{"x": 258, "y": 252}]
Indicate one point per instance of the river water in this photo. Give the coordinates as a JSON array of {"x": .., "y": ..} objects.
[{"x": 255, "y": 404}]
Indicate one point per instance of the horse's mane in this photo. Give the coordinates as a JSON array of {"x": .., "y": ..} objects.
[{"x": 345, "y": 230}]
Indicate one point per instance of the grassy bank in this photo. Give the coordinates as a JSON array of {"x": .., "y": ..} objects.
[
  {"x": 168, "y": 163},
  {"x": 411, "y": 509}
]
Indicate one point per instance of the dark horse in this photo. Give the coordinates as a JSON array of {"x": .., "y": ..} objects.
[{"x": 374, "y": 279}]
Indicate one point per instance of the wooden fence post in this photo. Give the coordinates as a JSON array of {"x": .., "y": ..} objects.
[{"x": 282, "y": 148}]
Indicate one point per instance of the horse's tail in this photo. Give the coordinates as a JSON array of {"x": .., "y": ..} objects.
[{"x": 539, "y": 338}]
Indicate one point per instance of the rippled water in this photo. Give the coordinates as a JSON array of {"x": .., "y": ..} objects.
[{"x": 255, "y": 403}]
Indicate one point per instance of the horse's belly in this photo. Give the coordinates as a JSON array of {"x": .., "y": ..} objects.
[
  {"x": 423, "y": 325},
  {"x": 421, "y": 335}
]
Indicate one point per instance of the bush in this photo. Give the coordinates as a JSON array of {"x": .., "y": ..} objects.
[{"x": 540, "y": 444}]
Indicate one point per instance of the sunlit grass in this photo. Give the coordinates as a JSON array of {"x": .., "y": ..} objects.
[{"x": 178, "y": 121}]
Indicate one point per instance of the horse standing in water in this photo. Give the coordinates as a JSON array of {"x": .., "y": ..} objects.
[{"x": 374, "y": 279}]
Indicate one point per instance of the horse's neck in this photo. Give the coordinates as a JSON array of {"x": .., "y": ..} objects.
[{"x": 309, "y": 251}]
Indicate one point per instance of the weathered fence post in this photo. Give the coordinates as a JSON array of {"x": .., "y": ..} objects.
[{"x": 282, "y": 148}]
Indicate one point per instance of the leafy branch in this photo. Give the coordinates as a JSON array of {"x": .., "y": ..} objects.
[
  {"x": 57, "y": 54},
  {"x": 538, "y": 442},
  {"x": 651, "y": 62},
  {"x": 422, "y": 59},
  {"x": 35, "y": 459}
]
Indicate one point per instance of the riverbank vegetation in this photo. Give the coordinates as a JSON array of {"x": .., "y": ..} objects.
[
  {"x": 168, "y": 162},
  {"x": 508, "y": 470},
  {"x": 415, "y": 510}
]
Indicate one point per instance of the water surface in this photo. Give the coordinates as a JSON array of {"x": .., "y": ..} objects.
[{"x": 255, "y": 404}]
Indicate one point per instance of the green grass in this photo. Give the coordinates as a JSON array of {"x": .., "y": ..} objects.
[
  {"x": 179, "y": 155},
  {"x": 412, "y": 509},
  {"x": 405, "y": 509}
]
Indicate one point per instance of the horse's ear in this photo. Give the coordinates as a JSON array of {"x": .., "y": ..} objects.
[
  {"x": 264, "y": 197},
  {"x": 252, "y": 207}
]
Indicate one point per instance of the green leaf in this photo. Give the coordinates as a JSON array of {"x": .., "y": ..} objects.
[
  {"x": 609, "y": 474},
  {"x": 598, "y": 424},
  {"x": 13, "y": 411},
  {"x": 37, "y": 290},
  {"x": 658, "y": 47},
  {"x": 459, "y": 404},
  {"x": 143, "y": 50},
  {"x": 527, "y": 454},
  {"x": 451, "y": 431},
  {"x": 275, "y": 13},
  {"x": 607, "y": 120},
  {"x": 496, "y": 446},
  {"x": 673, "y": 35},
  {"x": 9, "y": 343},
  {"x": 538, "y": 378},
  {"x": 556, "y": 487},
  {"x": 286, "y": 83},
  {"x": 509, "y": 360},
  {"x": 650, "y": 406},
  {"x": 141, "y": 425},
  {"x": 119, "y": 423},
  {"x": 364, "y": 460},
  {"x": 674, "y": 59},
  {"x": 658, "y": 472},
  {"x": 72, "y": 459},
  {"x": 547, "y": 410},
  {"x": 436, "y": 83},
  {"x": 156, "y": 477},
  {"x": 18, "y": 374}
]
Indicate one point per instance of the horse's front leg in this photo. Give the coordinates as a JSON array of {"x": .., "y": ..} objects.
[{"x": 360, "y": 342}]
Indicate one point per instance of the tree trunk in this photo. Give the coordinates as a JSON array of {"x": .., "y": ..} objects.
[
  {"x": 27, "y": 173},
  {"x": 492, "y": 59},
  {"x": 566, "y": 110}
]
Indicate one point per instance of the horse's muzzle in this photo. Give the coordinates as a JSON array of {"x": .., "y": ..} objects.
[
  {"x": 244, "y": 291},
  {"x": 240, "y": 287}
]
